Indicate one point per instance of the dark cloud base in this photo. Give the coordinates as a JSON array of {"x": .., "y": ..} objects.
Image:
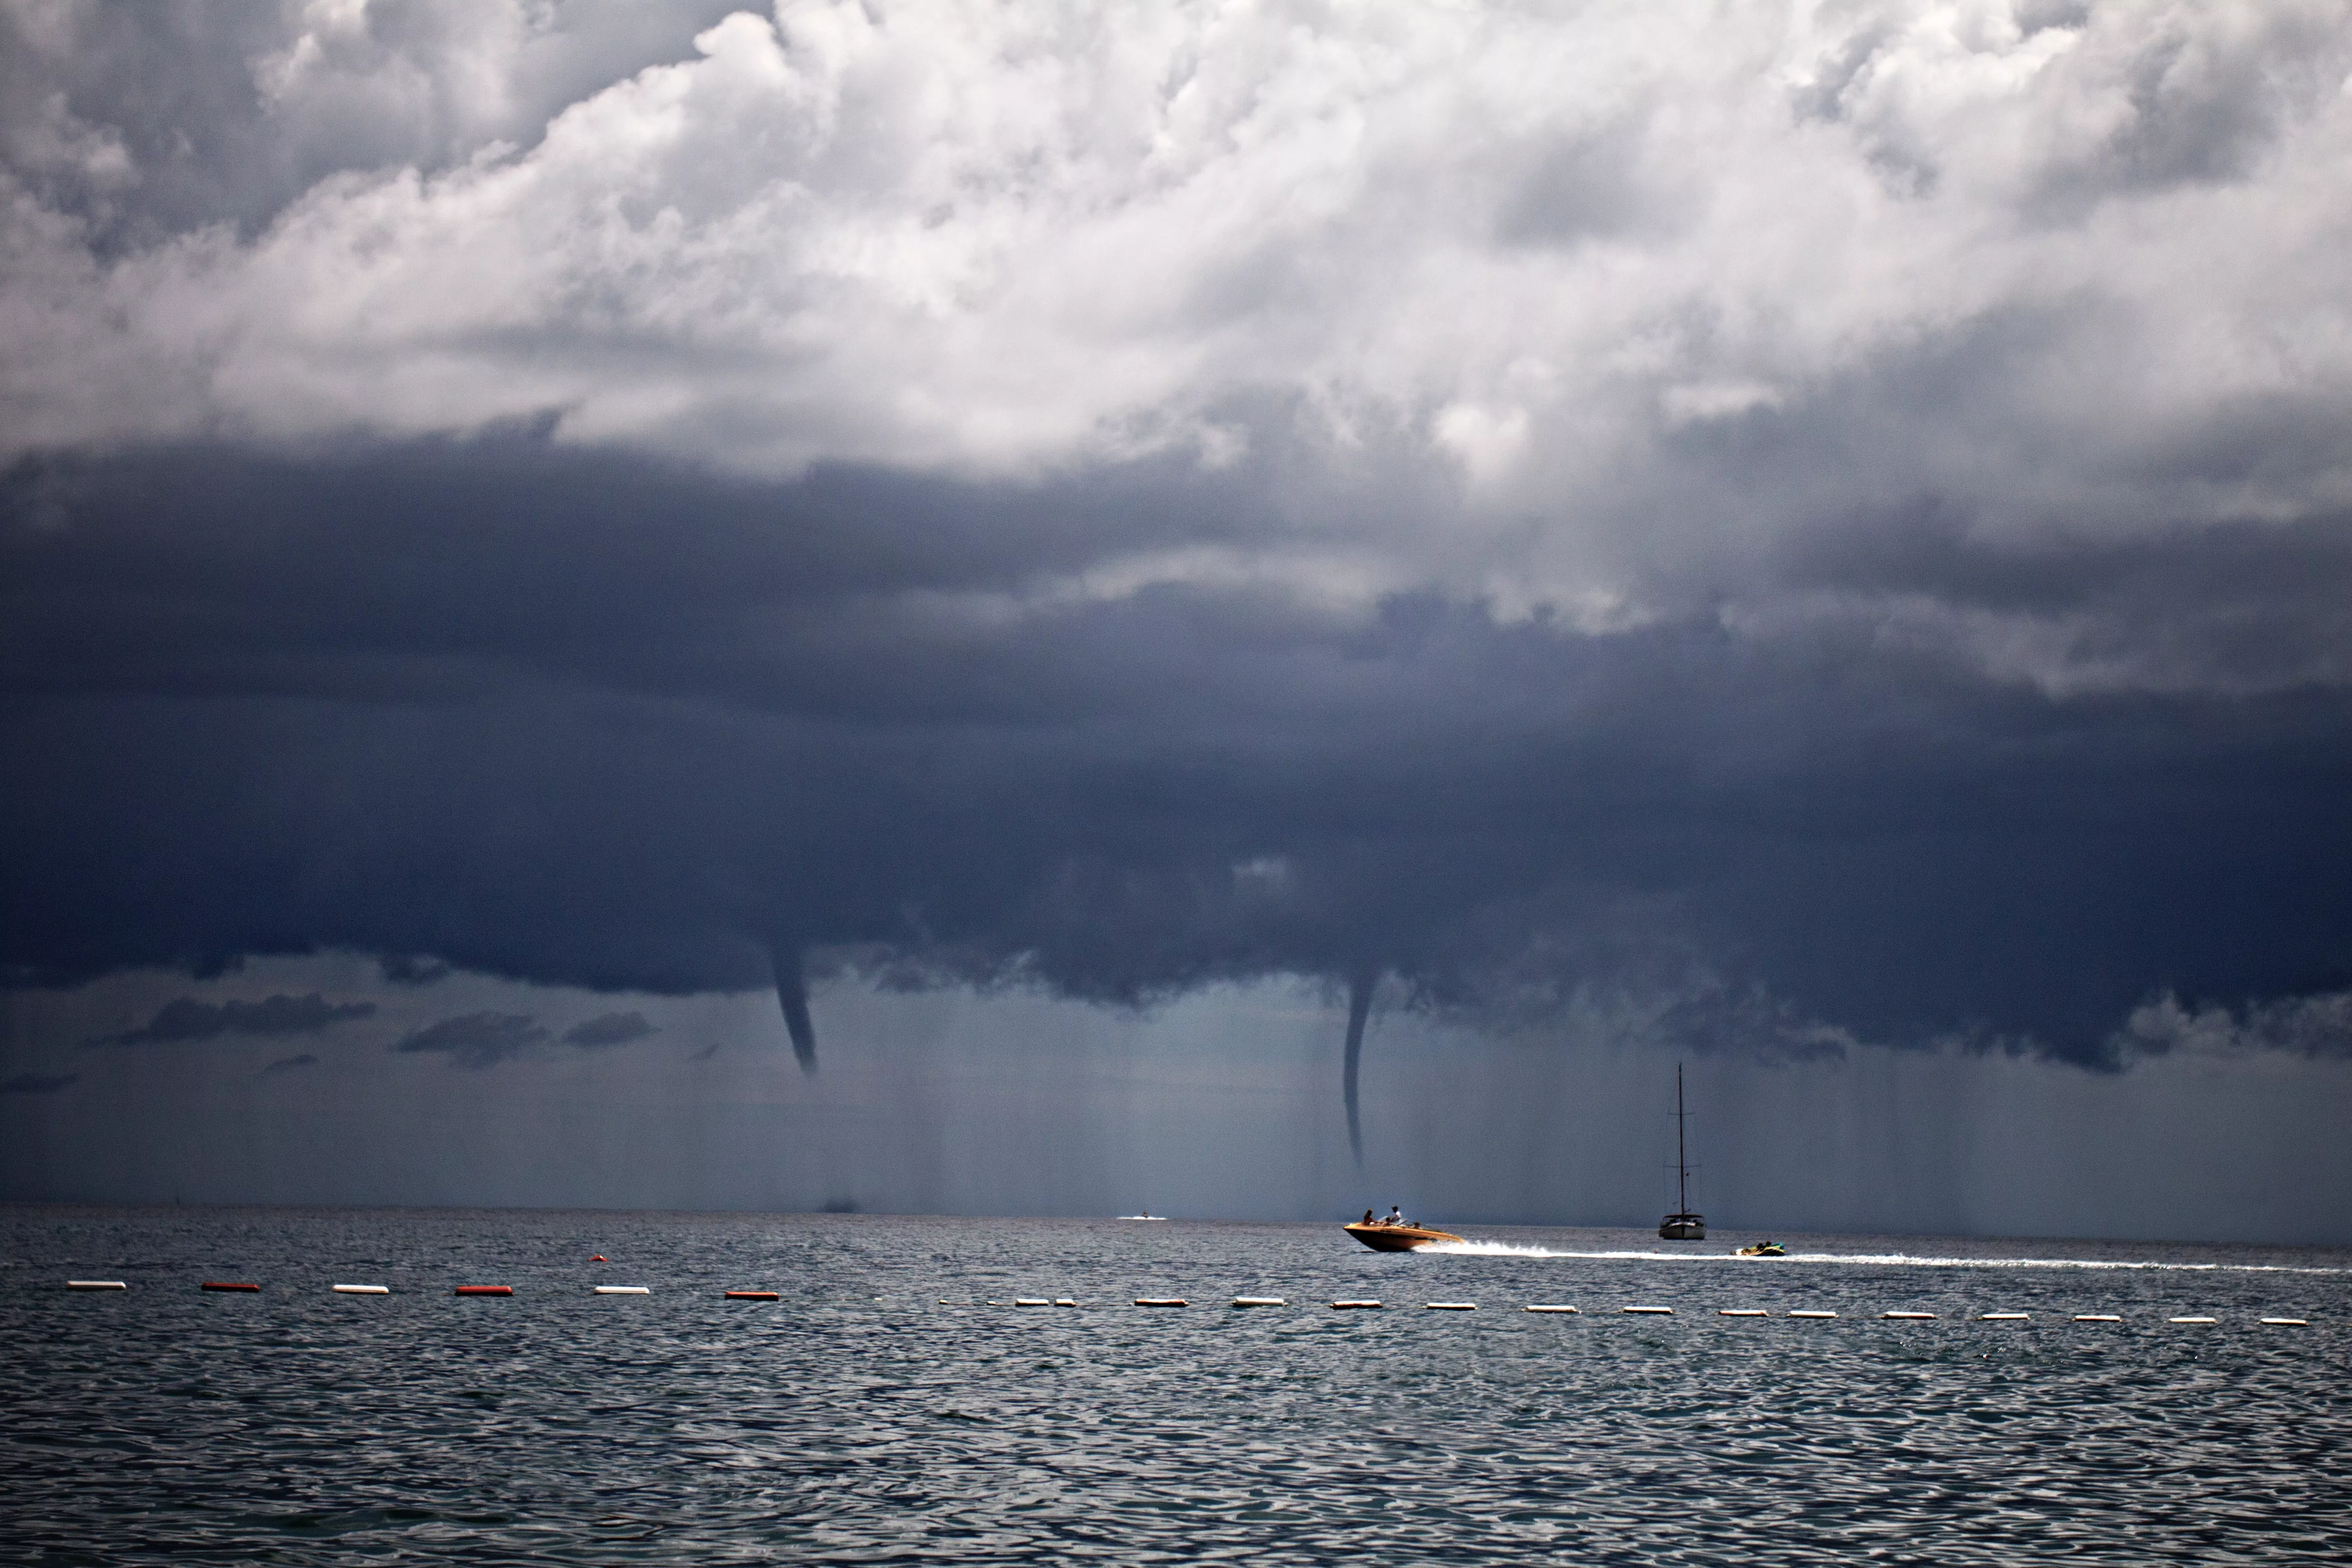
[
  {"x": 592, "y": 722},
  {"x": 610, "y": 1029},
  {"x": 190, "y": 1018},
  {"x": 476, "y": 1040},
  {"x": 37, "y": 1083}
]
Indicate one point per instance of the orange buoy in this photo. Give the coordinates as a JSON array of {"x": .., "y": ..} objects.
[
  {"x": 598, "y": 1258},
  {"x": 752, "y": 1295},
  {"x": 225, "y": 1285},
  {"x": 484, "y": 1289}
]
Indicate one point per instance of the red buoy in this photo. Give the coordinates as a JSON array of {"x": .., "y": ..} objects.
[
  {"x": 751, "y": 1296},
  {"x": 598, "y": 1258},
  {"x": 225, "y": 1285},
  {"x": 484, "y": 1289}
]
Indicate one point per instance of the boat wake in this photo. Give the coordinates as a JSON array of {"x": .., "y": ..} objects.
[
  {"x": 1873, "y": 1260},
  {"x": 1505, "y": 1249}
]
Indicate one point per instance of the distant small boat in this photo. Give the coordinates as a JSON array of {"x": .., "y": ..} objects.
[
  {"x": 1396, "y": 1237},
  {"x": 1143, "y": 1216},
  {"x": 1763, "y": 1250},
  {"x": 1681, "y": 1225}
]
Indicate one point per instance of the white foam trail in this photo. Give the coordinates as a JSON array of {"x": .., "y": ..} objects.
[
  {"x": 1497, "y": 1250},
  {"x": 1878, "y": 1259}
]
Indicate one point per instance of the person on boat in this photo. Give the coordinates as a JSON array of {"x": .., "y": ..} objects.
[
  {"x": 1396, "y": 1216},
  {"x": 1368, "y": 1216}
]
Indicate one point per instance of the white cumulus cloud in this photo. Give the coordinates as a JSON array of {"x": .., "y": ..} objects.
[{"x": 1640, "y": 287}]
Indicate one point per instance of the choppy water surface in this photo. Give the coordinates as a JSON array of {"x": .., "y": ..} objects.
[{"x": 881, "y": 1411}]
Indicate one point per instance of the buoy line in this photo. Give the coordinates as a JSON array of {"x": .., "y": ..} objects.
[{"x": 242, "y": 1287}]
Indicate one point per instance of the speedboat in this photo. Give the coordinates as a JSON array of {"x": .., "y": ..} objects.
[
  {"x": 1763, "y": 1250},
  {"x": 1396, "y": 1237}
]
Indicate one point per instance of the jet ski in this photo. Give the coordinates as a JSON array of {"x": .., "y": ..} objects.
[{"x": 1763, "y": 1250}]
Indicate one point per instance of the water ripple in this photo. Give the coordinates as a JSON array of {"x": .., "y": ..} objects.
[{"x": 860, "y": 1420}]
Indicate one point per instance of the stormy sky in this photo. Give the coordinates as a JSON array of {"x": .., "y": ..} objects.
[{"x": 935, "y": 606}]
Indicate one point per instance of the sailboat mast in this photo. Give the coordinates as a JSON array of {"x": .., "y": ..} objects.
[{"x": 1682, "y": 1163}]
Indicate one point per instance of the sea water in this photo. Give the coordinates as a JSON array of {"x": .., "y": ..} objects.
[{"x": 882, "y": 1411}]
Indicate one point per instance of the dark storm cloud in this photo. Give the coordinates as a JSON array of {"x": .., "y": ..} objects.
[
  {"x": 37, "y": 1083},
  {"x": 476, "y": 1040},
  {"x": 412, "y": 968},
  {"x": 477, "y": 704},
  {"x": 610, "y": 1029},
  {"x": 1784, "y": 527},
  {"x": 290, "y": 1064},
  {"x": 188, "y": 1018}
]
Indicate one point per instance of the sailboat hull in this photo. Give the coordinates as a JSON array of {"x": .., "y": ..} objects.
[{"x": 1681, "y": 1225}]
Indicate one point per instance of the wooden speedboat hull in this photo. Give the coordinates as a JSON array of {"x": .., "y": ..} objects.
[{"x": 1397, "y": 1238}]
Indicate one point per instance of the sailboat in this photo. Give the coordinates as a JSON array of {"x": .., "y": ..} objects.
[{"x": 1681, "y": 1225}]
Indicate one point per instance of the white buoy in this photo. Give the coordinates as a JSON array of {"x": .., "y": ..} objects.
[
  {"x": 1547, "y": 1309},
  {"x": 1649, "y": 1312},
  {"x": 2003, "y": 1318},
  {"x": 1910, "y": 1317},
  {"x": 2096, "y": 1318},
  {"x": 1260, "y": 1302},
  {"x": 362, "y": 1290},
  {"x": 1449, "y": 1306},
  {"x": 1031, "y": 1301},
  {"x": 2192, "y": 1319},
  {"x": 2287, "y": 1322},
  {"x": 1742, "y": 1312},
  {"x": 1065, "y": 1301},
  {"x": 1812, "y": 1314},
  {"x": 624, "y": 1290},
  {"x": 1161, "y": 1302},
  {"x": 96, "y": 1285},
  {"x": 1353, "y": 1306}
]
